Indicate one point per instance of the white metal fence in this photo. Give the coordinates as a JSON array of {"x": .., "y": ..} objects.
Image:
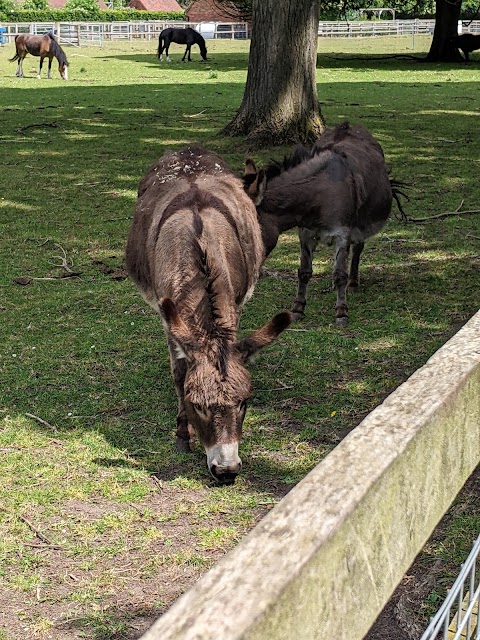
[
  {"x": 88, "y": 33},
  {"x": 458, "y": 617}
]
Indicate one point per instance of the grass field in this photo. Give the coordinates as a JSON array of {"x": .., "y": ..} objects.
[{"x": 102, "y": 524}]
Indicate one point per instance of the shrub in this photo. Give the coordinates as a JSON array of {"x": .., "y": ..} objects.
[
  {"x": 39, "y": 5},
  {"x": 5, "y": 7},
  {"x": 78, "y": 15},
  {"x": 87, "y": 7}
]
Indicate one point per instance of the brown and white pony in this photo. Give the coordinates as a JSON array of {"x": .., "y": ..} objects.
[
  {"x": 338, "y": 193},
  {"x": 44, "y": 46},
  {"x": 195, "y": 251}
]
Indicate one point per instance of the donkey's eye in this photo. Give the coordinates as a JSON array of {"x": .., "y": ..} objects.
[{"x": 203, "y": 412}]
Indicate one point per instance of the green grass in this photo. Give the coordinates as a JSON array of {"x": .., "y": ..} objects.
[{"x": 129, "y": 523}]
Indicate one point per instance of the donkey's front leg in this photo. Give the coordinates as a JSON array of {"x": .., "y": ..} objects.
[
  {"x": 353, "y": 275},
  {"x": 185, "y": 432},
  {"x": 340, "y": 279},
  {"x": 308, "y": 244}
]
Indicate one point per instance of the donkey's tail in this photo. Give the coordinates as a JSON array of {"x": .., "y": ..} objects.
[{"x": 397, "y": 186}]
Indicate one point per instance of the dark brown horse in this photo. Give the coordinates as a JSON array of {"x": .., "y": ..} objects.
[
  {"x": 338, "y": 193},
  {"x": 195, "y": 251},
  {"x": 186, "y": 36},
  {"x": 44, "y": 46}
]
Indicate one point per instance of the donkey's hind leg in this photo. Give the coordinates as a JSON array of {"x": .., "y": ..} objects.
[
  {"x": 185, "y": 432},
  {"x": 353, "y": 278},
  {"x": 340, "y": 280},
  {"x": 308, "y": 244}
]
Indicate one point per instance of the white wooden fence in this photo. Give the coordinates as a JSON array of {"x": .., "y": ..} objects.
[{"x": 89, "y": 33}]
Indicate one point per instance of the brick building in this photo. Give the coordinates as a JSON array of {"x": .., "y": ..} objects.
[
  {"x": 155, "y": 5},
  {"x": 208, "y": 11}
]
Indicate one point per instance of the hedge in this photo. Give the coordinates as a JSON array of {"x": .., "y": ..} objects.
[{"x": 80, "y": 15}]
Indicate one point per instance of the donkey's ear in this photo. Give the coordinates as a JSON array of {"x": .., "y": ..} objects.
[
  {"x": 177, "y": 327},
  {"x": 250, "y": 167},
  {"x": 265, "y": 335},
  {"x": 256, "y": 188}
]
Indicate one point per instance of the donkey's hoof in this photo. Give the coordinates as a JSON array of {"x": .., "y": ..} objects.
[
  {"x": 341, "y": 322},
  {"x": 353, "y": 286},
  {"x": 297, "y": 315},
  {"x": 298, "y": 310},
  {"x": 184, "y": 446}
]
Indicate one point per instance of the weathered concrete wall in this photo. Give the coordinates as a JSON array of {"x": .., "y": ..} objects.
[{"x": 325, "y": 560}]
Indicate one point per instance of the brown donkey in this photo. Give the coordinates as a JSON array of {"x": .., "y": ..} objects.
[
  {"x": 195, "y": 251},
  {"x": 337, "y": 192}
]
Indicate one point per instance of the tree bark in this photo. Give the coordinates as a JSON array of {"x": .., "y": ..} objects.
[
  {"x": 280, "y": 104},
  {"x": 447, "y": 15}
]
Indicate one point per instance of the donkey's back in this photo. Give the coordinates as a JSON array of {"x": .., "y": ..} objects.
[{"x": 191, "y": 201}]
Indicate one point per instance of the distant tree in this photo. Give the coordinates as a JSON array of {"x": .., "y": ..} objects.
[
  {"x": 280, "y": 103},
  {"x": 447, "y": 15},
  {"x": 90, "y": 6},
  {"x": 7, "y": 5},
  {"x": 39, "y": 5},
  {"x": 239, "y": 10}
]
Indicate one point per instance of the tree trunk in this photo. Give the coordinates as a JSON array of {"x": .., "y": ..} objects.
[
  {"x": 447, "y": 15},
  {"x": 280, "y": 103}
]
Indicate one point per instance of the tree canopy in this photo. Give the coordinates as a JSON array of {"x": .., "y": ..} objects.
[{"x": 348, "y": 9}]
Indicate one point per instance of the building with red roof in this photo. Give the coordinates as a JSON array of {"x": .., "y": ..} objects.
[
  {"x": 155, "y": 5},
  {"x": 208, "y": 11}
]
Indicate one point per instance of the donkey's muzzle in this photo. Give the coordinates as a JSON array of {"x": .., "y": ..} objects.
[{"x": 225, "y": 475}]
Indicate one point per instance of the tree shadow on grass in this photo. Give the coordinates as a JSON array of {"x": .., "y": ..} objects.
[
  {"x": 126, "y": 622},
  {"x": 220, "y": 61},
  {"x": 225, "y": 62}
]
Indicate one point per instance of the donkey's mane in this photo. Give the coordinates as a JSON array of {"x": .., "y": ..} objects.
[
  {"x": 208, "y": 311},
  {"x": 209, "y": 308},
  {"x": 301, "y": 154}
]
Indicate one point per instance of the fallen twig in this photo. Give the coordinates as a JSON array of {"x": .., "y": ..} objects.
[
  {"x": 38, "y": 533},
  {"x": 42, "y": 545},
  {"x": 65, "y": 262},
  {"x": 445, "y": 214},
  {"x": 41, "y": 421},
  {"x": 194, "y": 115}
]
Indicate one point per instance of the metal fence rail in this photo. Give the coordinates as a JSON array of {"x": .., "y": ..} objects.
[
  {"x": 88, "y": 33},
  {"x": 458, "y": 617}
]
